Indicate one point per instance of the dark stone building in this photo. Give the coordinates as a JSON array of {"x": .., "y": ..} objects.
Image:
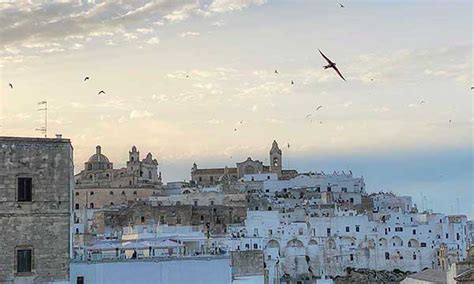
[{"x": 36, "y": 181}]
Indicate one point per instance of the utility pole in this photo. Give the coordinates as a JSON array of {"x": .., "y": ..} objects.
[{"x": 43, "y": 106}]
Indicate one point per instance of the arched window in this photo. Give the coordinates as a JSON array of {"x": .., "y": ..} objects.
[
  {"x": 387, "y": 255},
  {"x": 92, "y": 205},
  {"x": 255, "y": 246},
  {"x": 76, "y": 206}
]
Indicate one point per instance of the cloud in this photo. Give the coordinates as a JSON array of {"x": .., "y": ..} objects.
[
  {"x": 41, "y": 22},
  {"x": 134, "y": 114},
  {"x": 221, "y": 6},
  {"x": 153, "y": 40},
  {"x": 189, "y": 34}
]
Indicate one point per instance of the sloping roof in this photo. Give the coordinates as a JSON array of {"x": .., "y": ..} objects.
[
  {"x": 465, "y": 275},
  {"x": 430, "y": 275}
]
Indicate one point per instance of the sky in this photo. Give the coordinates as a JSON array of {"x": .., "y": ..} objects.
[{"x": 180, "y": 76}]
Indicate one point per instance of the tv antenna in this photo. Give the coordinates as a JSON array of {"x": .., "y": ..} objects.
[{"x": 43, "y": 106}]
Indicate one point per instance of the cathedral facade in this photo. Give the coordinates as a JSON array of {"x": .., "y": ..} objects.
[{"x": 212, "y": 176}]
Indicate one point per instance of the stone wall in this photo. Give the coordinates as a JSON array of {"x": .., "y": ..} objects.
[
  {"x": 247, "y": 263},
  {"x": 141, "y": 213},
  {"x": 43, "y": 223}
]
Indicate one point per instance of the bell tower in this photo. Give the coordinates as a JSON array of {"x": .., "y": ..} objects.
[{"x": 275, "y": 159}]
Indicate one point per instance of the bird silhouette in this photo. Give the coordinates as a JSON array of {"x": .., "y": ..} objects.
[
  {"x": 292, "y": 82},
  {"x": 235, "y": 129},
  {"x": 342, "y": 6},
  {"x": 11, "y": 86},
  {"x": 288, "y": 145},
  {"x": 331, "y": 65},
  {"x": 101, "y": 92},
  {"x": 319, "y": 107},
  {"x": 308, "y": 115},
  {"x": 276, "y": 71},
  {"x": 86, "y": 78},
  {"x": 422, "y": 102}
]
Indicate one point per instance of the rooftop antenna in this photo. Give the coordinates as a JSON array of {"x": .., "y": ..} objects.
[{"x": 43, "y": 106}]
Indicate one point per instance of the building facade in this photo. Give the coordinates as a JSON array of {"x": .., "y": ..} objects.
[{"x": 36, "y": 181}]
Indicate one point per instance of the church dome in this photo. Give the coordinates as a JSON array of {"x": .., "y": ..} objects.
[{"x": 98, "y": 157}]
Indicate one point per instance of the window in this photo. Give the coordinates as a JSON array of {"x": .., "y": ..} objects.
[
  {"x": 347, "y": 229},
  {"x": 351, "y": 200},
  {"x": 195, "y": 203},
  {"x": 150, "y": 175},
  {"x": 76, "y": 206},
  {"x": 357, "y": 228},
  {"x": 414, "y": 232},
  {"x": 200, "y": 179},
  {"x": 111, "y": 193},
  {"x": 23, "y": 260},
  {"x": 142, "y": 219},
  {"x": 447, "y": 236},
  {"x": 344, "y": 189},
  {"x": 80, "y": 280},
  {"x": 92, "y": 193},
  {"x": 92, "y": 205},
  {"x": 162, "y": 219},
  {"x": 329, "y": 189},
  {"x": 24, "y": 189},
  {"x": 255, "y": 246},
  {"x": 414, "y": 256},
  {"x": 212, "y": 202},
  {"x": 457, "y": 236},
  {"x": 77, "y": 193},
  {"x": 268, "y": 177},
  {"x": 328, "y": 231},
  {"x": 423, "y": 245},
  {"x": 270, "y": 232},
  {"x": 351, "y": 257},
  {"x": 111, "y": 204},
  {"x": 123, "y": 192},
  {"x": 398, "y": 229},
  {"x": 387, "y": 255},
  {"x": 202, "y": 217},
  {"x": 134, "y": 193}
]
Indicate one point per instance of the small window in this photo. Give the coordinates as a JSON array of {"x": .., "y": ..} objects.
[
  {"x": 76, "y": 206},
  {"x": 212, "y": 202},
  {"x": 142, "y": 219},
  {"x": 328, "y": 231},
  {"x": 134, "y": 193},
  {"x": 351, "y": 257},
  {"x": 423, "y": 245},
  {"x": 111, "y": 193},
  {"x": 92, "y": 205},
  {"x": 123, "y": 192},
  {"x": 211, "y": 178},
  {"x": 328, "y": 189},
  {"x": 80, "y": 280},
  {"x": 344, "y": 189},
  {"x": 200, "y": 179},
  {"x": 414, "y": 232},
  {"x": 357, "y": 228},
  {"x": 387, "y": 255},
  {"x": 24, "y": 189},
  {"x": 347, "y": 229},
  {"x": 111, "y": 204},
  {"x": 77, "y": 193},
  {"x": 195, "y": 203},
  {"x": 255, "y": 246},
  {"x": 414, "y": 256},
  {"x": 92, "y": 193},
  {"x": 23, "y": 260}
]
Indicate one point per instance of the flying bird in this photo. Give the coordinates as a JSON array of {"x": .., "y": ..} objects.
[
  {"x": 288, "y": 145},
  {"x": 292, "y": 82},
  {"x": 342, "y": 6},
  {"x": 11, "y": 86},
  {"x": 276, "y": 71},
  {"x": 86, "y": 78},
  {"x": 331, "y": 65},
  {"x": 235, "y": 129},
  {"x": 101, "y": 92},
  {"x": 308, "y": 115},
  {"x": 241, "y": 121},
  {"x": 319, "y": 107},
  {"x": 422, "y": 102}
]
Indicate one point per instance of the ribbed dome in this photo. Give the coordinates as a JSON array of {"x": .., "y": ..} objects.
[{"x": 98, "y": 157}]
